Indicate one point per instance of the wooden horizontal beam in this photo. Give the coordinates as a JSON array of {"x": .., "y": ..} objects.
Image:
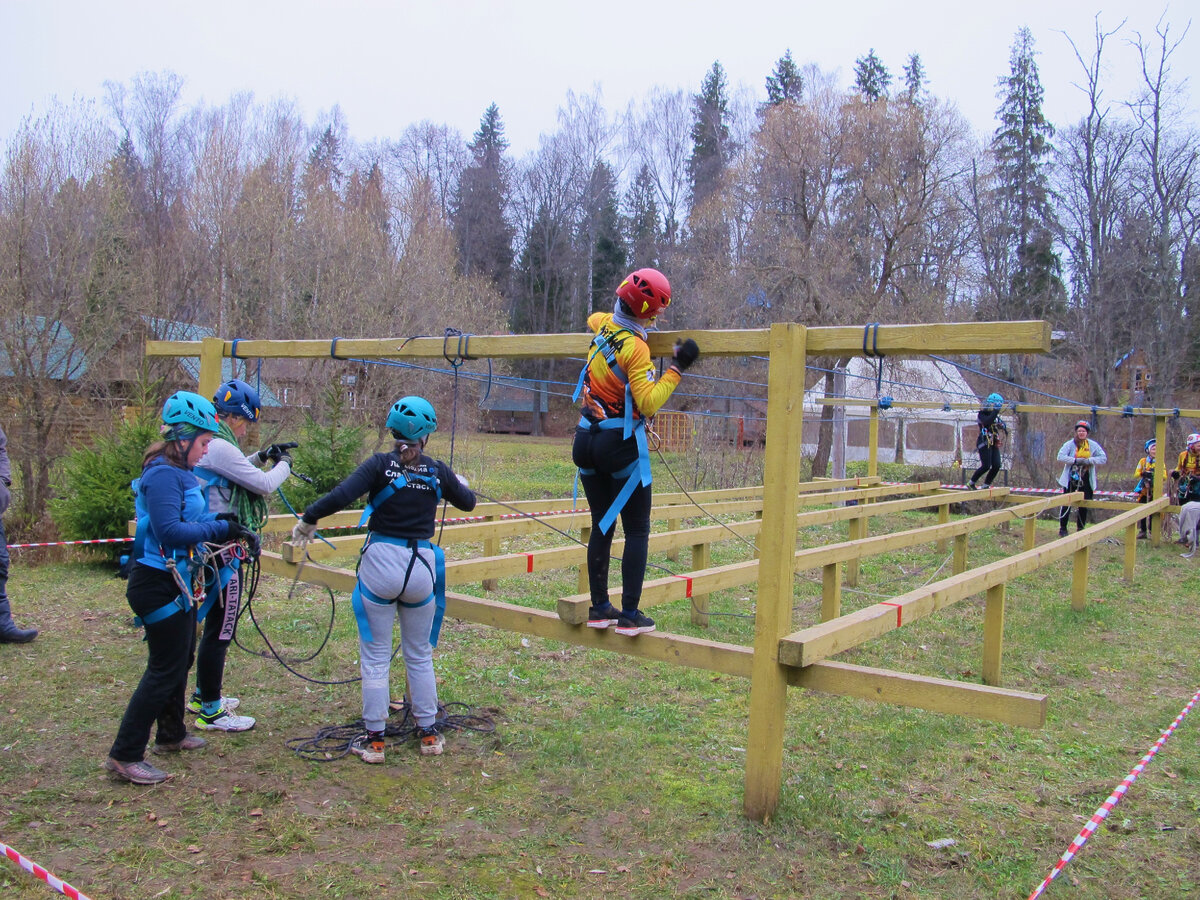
[
  {"x": 889, "y": 340},
  {"x": 829, "y": 638},
  {"x": 917, "y": 691}
]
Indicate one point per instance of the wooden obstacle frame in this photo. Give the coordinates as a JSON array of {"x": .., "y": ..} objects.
[{"x": 779, "y": 657}]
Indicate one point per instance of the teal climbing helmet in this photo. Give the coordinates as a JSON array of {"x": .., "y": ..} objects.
[
  {"x": 995, "y": 401},
  {"x": 412, "y": 418},
  {"x": 186, "y": 413}
]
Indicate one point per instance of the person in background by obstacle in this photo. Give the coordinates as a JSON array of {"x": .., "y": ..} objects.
[
  {"x": 398, "y": 567},
  {"x": 234, "y": 484},
  {"x": 173, "y": 522},
  {"x": 1079, "y": 456},
  {"x": 992, "y": 432},
  {"x": 1186, "y": 473},
  {"x": 1144, "y": 473},
  {"x": 9, "y": 632},
  {"x": 618, "y": 390}
]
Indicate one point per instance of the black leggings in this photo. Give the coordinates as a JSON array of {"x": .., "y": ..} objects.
[
  {"x": 1064, "y": 517},
  {"x": 171, "y": 645},
  {"x": 607, "y": 452},
  {"x": 989, "y": 461},
  {"x": 215, "y": 637}
]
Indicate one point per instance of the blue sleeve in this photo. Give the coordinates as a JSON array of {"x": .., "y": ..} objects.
[{"x": 163, "y": 488}]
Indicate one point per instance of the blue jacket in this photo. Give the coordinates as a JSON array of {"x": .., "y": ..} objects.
[{"x": 172, "y": 514}]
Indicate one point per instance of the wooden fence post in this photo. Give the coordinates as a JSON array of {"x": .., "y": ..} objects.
[
  {"x": 212, "y": 351},
  {"x": 831, "y": 591},
  {"x": 943, "y": 519},
  {"x": 1031, "y": 532},
  {"x": 701, "y": 559},
  {"x": 491, "y": 547},
  {"x": 1130, "y": 552},
  {"x": 773, "y": 611},
  {"x": 960, "y": 554},
  {"x": 1079, "y": 579},
  {"x": 993, "y": 635},
  {"x": 857, "y": 532}
]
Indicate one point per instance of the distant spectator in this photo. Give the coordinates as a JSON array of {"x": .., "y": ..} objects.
[
  {"x": 9, "y": 632},
  {"x": 1079, "y": 457}
]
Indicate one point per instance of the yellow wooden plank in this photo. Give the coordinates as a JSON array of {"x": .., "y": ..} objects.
[{"x": 993, "y": 635}]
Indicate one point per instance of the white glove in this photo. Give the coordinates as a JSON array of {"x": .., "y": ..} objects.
[
  {"x": 303, "y": 532},
  {"x": 462, "y": 481}
]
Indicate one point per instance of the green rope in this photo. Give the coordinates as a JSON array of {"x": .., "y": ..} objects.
[{"x": 250, "y": 508}]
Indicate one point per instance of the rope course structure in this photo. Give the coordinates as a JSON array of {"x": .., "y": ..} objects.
[{"x": 779, "y": 657}]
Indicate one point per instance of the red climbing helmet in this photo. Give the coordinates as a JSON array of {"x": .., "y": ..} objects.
[{"x": 646, "y": 292}]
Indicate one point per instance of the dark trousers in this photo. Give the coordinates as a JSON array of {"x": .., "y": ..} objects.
[
  {"x": 1064, "y": 517},
  {"x": 989, "y": 461},
  {"x": 215, "y": 637},
  {"x": 607, "y": 452},
  {"x": 6, "y": 621},
  {"x": 171, "y": 645}
]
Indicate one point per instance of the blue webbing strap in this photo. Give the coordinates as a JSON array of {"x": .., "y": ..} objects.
[
  {"x": 637, "y": 472},
  {"x": 224, "y": 576},
  {"x": 179, "y": 604},
  {"x": 390, "y": 489},
  {"x": 438, "y": 595}
]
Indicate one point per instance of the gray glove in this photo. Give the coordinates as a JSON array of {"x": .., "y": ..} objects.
[{"x": 303, "y": 532}]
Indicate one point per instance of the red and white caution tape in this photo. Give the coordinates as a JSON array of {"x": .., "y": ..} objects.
[
  {"x": 66, "y": 543},
  {"x": 37, "y": 871},
  {"x": 1102, "y": 813}
]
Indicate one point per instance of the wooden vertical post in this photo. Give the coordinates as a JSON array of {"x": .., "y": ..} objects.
[
  {"x": 858, "y": 531},
  {"x": 1130, "y": 552},
  {"x": 831, "y": 591},
  {"x": 1079, "y": 579},
  {"x": 674, "y": 525},
  {"x": 701, "y": 559},
  {"x": 584, "y": 586},
  {"x": 993, "y": 635},
  {"x": 773, "y": 612},
  {"x": 943, "y": 519},
  {"x": 960, "y": 554},
  {"x": 873, "y": 441},
  {"x": 1160, "y": 476},
  {"x": 212, "y": 351},
  {"x": 1030, "y": 533},
  {"x": 491, "y": 547}
]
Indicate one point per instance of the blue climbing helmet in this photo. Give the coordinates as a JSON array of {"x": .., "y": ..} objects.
[
  {"x": 186, "y": 414},
  {"x": 995, "y": 401},
  {"x": 412, "y": 418},
  {"x": 236, "y": 398},
  {"x": 1150, "y": 443}
]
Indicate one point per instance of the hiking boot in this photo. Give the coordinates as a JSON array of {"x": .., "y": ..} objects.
[
  {"x": 189, "y": 742},
  {"x": 1062, "y": 531},
  {"x": 369, "y": 747},
  {"x": 602, "y": 616},
  {"x": 633, "y": 622},
  {"x": 196, "y": 705},
  {"x": 223, "y": 720},
  {"x": 135, "y": 772},
  {"x": 432, "y": 742}
]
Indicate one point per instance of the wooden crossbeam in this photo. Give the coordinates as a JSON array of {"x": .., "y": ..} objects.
[
  {"x": 842, "y": 340},
  {"x": 829, "y": 638},
  {"x": 917, "y": 691}
]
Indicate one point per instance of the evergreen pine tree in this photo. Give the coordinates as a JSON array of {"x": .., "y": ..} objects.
[
  {"x": 871, "y": 77},
  {"x": 914, "y": 79},
  {"x": 1022, "y": 149},
  {"x": 785, "y": 83},
  {"x": 644, "y": 226},
  {"x": 711, "y": 148},
  {"x": 483, "y": 234}
]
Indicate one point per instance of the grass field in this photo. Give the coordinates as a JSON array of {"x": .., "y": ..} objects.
[{"x": 612, "y": 776}]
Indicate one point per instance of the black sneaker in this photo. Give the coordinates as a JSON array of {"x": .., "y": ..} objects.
[
  {"x": 1062, "y": 532},
  {"x": 602, "y": 616},
  {"x": 634, "y": 622},
  {"x": 970, "y": 485}
]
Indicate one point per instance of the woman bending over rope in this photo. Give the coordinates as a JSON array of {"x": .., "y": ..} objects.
[{"x": 398, "y": 569}]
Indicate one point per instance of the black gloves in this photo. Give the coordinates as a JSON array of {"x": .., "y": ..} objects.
[
  {"x": 239, "y": 532},
  {"x": 227, "y": 517},
  {"x": 277, "y": 452},
  {"x": 686, "y": 353}
]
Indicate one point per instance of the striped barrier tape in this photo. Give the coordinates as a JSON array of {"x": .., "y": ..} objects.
[
  {"x": 1114, "y": 798},
  {"x": 1102, "y": 495},
  {"x": 38, "y": 872},
  {"x": 66, "y": 543}
]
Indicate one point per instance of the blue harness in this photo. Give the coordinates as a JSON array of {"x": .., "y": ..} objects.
[
  {"x": 438, "y": 596},
  {"x": 629, "y": 426},
  {"x": 182, "y": 602}
]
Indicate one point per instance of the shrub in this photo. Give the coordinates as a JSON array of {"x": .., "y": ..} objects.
[
  {"x": 328, "y": 452},
  {"x": 93, "y": 496}
]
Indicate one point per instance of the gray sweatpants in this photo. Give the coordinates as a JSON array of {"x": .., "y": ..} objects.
[{"x": 382, "y": 570}]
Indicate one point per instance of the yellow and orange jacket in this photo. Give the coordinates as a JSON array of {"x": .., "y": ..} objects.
[
  {"x": 603, "y": 394},
  {"x": 1189, "y": 463}
]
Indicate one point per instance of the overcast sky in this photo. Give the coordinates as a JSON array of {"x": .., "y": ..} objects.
[{"x": 390, "y": 64}]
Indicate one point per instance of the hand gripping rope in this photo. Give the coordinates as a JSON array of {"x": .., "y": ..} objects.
[
  {"x": 1102, "y": 813},
  {"x": 38, "y": 872}
]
